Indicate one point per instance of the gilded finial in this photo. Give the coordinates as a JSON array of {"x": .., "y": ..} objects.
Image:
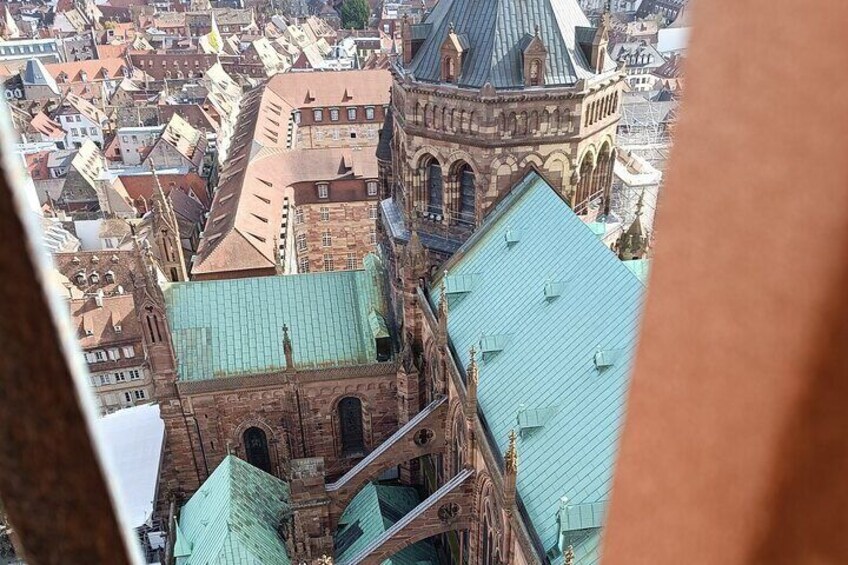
[
  {"x": 511, "y": 458},
  {"x": 538, "y": 30},
  {"x": 472, "y": 366},
  {"x": 568, "y": 556}
]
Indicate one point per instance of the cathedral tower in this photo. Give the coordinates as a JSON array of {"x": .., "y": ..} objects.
[{"x": 483, "y": 92}]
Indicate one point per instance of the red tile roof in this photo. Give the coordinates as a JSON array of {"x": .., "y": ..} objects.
[
  {"x": 37, "y": 165},
  {"x": 42, "y": 123}
]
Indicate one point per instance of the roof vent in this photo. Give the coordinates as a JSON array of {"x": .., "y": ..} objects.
[
  {"x": 459, "y": 284},
  {"x": 605, "y": 358},
  {"x": 530, "y": 419},
  {"x": 512, "y": 236},
  {"x": 490, "y": 344},
  {"x": 553, "y": 289}
]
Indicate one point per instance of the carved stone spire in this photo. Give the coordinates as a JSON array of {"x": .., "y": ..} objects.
[
  {"x": 600, "y": 41},
  {"x": 633, "y": 243},
  {"x": 471, "y": 384},
  {"x": 510, "y": 470},
  {"x": 511, "y": 457},
  {"x": 287, "y": 348},
  {"x": 166, "y": 233},
  {"x": 443, "y": 313}
]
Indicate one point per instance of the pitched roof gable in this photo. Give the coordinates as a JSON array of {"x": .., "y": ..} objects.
[
  {"x": 233, "y": 518},
  {"x": 555, "y": 352}
]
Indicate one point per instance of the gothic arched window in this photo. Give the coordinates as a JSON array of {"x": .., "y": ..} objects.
[
  {"x": 433, "y": 175},
  {"x": 489, "y": 535},
  {"x": 256, "y": 448},
  {"x": 467, "y": 204},
  {"x": 448, "y": 69},
  {"x": 458, "y": 459},
  {"x": 535, "y": 73},
  {"x": 350, "y": 427}
]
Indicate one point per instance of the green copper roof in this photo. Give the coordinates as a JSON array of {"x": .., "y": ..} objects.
[
  {"x": 373, "y": 511},
  {"x": 232, "y": 519},
  {"x": 640, "y": 268},
  {"x": 235, "y": 327},
  {"x": 547, "y": 380}
]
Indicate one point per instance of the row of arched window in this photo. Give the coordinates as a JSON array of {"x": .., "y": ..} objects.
[
  {"x": 351, "y": 436},
  {"x": 526, "y": 123},
  {"x": 460, "y": 205},
  {"x": 443, "y": 118},
  {"x": 600, "y": 109},
  {"x": 595, "y": 180}
]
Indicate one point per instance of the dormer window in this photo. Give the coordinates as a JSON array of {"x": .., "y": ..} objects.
[
  {"x": 452, "y": 52},
  {"x": 534, "y": 53},
  {"x": 81, "y": 279},
  {"x": 95, "y": 278}
]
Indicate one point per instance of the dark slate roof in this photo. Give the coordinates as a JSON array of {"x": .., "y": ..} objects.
[
  {"x": 495, "y": 30},
  {"x": 35, "y": 74}
]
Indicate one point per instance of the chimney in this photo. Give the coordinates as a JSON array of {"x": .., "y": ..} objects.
[{"x": 98, "y": 298}]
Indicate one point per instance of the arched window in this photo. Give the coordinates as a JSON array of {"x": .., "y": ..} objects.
[
  {"x": 458, "y": 459},
  {"x": 154, "y": 333},
  {"x": 535, "y": 73},
  {"x": 256, "y": 448},
  {"x": 488, "y": 534},
  {"x": 448, "y": 69},
  {"x": 584, "y": 187},
  {"x": 350, "y": 427},
  {"x": 467, "y": 195},
  {"x": 433, "y": 176}
]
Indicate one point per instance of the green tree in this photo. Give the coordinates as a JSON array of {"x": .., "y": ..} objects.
[{"x": 355, "y": 14}]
